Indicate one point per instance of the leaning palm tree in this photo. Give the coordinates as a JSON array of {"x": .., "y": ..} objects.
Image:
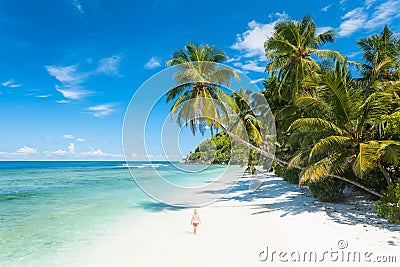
[
  {"x": 199, "y": 100},
  {"x": 245, "y": 115},
  {"x": 244, "y": 122},
  {"x": 292, "y": 49},
  {"x": 337, "y": 129}
]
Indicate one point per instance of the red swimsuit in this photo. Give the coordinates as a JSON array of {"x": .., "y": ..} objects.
[{"x": 195, "y": 221}]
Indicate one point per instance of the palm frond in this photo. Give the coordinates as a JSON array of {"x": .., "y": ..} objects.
[
  {"x": 299, "y": 159},
  {"x": 175, "y": 92},
  {"x": 333, "y": 164},
  {"x": 328, "y": 145},
  {"x": 315, "y": 124},
  {"x": 312, "y": 105}
]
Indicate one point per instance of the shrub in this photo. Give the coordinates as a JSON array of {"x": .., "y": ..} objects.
[
  {"x": 288, "y": 175},
  {"x": 278, "y": 169},
  {"x": 328, "y": 189},
  {"x": 389, "y": 205},
  {"x": 292, "y": 176}
]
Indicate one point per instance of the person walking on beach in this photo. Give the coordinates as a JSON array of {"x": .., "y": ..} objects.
[{"x": 195, "y": 221}]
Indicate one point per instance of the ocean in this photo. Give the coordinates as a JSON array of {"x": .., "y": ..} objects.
[{"x": 51, "y": 210}]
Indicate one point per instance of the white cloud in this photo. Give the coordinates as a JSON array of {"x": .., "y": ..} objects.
[
  {"x": 29, "y": 153},
  {"x": 101, "y": 110},
  {"x": 78, "y": 6},
  {"x": 80, "y": 139},
  {"x": 11, "y": 84},
  {"x": 368, "y": 3},
  {"x": 325, "y": 8},
  {"x": 383, "y": 14},
  {"x": 74, "y": 94},
  {"x": 71, "y": 148},
  {"x": 42, "y": 96},
  {"x": 278, "y": 15},
  {"x": 352, "y": 21},
  {"x": 133, "y": 156},
  {"x": 27, "y": 150},
  {"x": 68, "y": 136},
  {"x": 58, "y": 152},
  {"x": 257, "y": 80},
  {"x": 37, "y": 93},
  {"x": 359, "y": 19},
  {"x": 109, "y": 65},
  {"x": 251, "y": 65},
  {"x": 251, "y": 42},
  {"x": 353, "y": 54},
  {"x": 71, "y": 81},
  {"x": 152, "y": 63},
  {"x": 63, "y": 101},
  {"x": 66, "y": 74},
  {"x": 71, "y": 153},
  {"x": 323, "y": 29},
  {"x": 96, "y": 153}
]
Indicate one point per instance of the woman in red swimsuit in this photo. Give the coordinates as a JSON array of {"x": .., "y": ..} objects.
[{"x": 195, "y": 221}]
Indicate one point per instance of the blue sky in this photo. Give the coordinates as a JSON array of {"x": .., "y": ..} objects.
[{"x": 68, "y": 68}]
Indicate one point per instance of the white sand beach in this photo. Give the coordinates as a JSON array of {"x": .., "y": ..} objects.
[{"x": 278, "y": 225}]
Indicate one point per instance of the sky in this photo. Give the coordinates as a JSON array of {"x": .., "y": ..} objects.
[{"x": 69, "y": 68}]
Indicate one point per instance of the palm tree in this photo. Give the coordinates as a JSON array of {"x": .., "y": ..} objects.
[
  {"x": 336, "y": 134},
  {"x": 244, "y": 115},
  {"x": 381, "y": 58},
  {"x": 244, "y": 122},
  {"x": 198, "y": 98},
  {"x": 291, "y": 49}
]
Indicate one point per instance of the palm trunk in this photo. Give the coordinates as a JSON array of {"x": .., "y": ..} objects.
[
  {"x": 284, "y": 162},
  {"x": 385, "y": 173}
]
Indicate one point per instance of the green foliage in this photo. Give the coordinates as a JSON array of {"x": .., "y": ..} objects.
[
  {"x": 217, "y": 150},
  {"x": 278, "y": 169},
  {"x": 292, "y": 176},
  {"x": 331, "y": 120},
  {"x": 198, "y": 98},
  {"x": 389, "y": 205},
  {"x": 374, "y": 179},
  {"x": 289, "y": 175},
  {"x": 392, "y": 127},
  {"x": 291, "y": 49},
  {"x": 380, "y": 58},
  {"x": 328, "y": 189}
]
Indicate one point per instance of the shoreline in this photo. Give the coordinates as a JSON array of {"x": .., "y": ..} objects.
[{"x": 241, "y": 227}]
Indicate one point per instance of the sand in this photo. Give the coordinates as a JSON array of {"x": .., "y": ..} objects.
[{"x": 278, "y": 225}]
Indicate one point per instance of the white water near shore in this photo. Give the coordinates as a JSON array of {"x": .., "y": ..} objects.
[{"x": 275, "y": 226}]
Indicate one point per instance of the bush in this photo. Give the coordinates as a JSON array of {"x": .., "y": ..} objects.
[
  {"x": 292, "y": 176},
  {"x": 288, "y": 175},
  {"x": 328, "y": 189},
  {"x": 278, "y": 169},
  {"x": 375, "y": 180},
  {"x": 389, "y": 205}
]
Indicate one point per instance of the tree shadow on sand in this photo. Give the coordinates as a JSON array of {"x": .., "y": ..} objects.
[{"x": 278, "y": 195}]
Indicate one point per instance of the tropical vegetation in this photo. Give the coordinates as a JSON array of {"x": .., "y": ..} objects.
[{"x": 337, "y": 121}]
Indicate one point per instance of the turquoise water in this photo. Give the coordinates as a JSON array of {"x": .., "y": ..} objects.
[{"x": 49, "y": 208}]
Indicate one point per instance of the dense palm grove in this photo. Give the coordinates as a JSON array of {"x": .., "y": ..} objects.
[{"x": 337, "y": 121}]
